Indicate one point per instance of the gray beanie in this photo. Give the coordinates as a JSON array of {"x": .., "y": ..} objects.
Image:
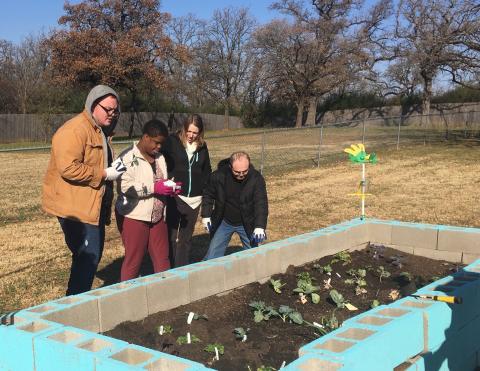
[{"x": 97, "y": 92}]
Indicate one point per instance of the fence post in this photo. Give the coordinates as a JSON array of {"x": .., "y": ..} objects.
[
  {"x": 320, "y": 145},
  {"x": 363, "y": 134},
  {"x": 262, "y": 158},
  {"x": 398, "y": 132}
]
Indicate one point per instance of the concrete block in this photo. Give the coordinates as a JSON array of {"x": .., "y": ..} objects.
[
  {"x": 79, "y": 311},
  {"x": 16, "y": 346},
  {"x": 126, "y": 301},
  {"x": 459, "y": 239},
  {"x": 167, "y": 291},
  {"x": 133, "y": 357},
  {"x": 451, "y": 256},
  {"x": 205, "y": 279},
  {"x": 72, "y": 349},
  {"x": 468, "y": 258},
  {"x": 379, "y": 232},
  {"x": 358, "y": 234},
  {"x": 240, "y": 269},
  {"x": 172, "y": 363},
  {"x": 311, "y": 362},
  {"x": 406, "y": 249},
  {"x": 417, "y": 236}
]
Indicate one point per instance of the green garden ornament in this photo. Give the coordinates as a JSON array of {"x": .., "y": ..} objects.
[{"x": 357, "y": 155}]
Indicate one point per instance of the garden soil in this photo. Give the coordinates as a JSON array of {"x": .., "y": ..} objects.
[{"x": 270, "y": 343}]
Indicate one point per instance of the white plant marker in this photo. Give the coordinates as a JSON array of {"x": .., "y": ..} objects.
[
  {"x": 283, "y": 365},
  {"x": 160, "y": 330},
  {"x": 190, "y": 317},
  {"x": 244, "y": 339},
  {"x": 338, "y": 274},
  {"x": 317, "y": 325},
  {"x": 217, "y": 357},
  {"x": 189, "y": 340}
]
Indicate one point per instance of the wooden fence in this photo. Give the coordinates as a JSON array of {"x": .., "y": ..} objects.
[{"x": 40, "y": 127}]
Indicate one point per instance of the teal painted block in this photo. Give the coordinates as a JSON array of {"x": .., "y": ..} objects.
[
  {"x": 73, "y": 349},
  {"x": 318, "y": 362},
  {"x": 16, "y": 346},
  {"x": 172, "y": 363}
]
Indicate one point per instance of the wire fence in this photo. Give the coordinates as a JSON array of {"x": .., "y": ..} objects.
[{"x": 279, "y": 150}]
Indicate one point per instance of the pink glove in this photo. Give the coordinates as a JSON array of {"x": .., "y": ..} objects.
[
  {"x": 159, "y": 188},
  {"x": 178, "y": 188}
]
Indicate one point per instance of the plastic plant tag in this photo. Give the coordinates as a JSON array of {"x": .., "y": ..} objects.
[
  {"x": 350, "y": 307},
  {"x": 190, "y": 317},
  {"x": 317, "y": 325},
  {"x": 283, "y": 365},
  {"x": 244, "y": 339},
  {"x": 160, "y": 330},
  {"x": 217, "y": 357},
  {"x": 189, "y": 340}
]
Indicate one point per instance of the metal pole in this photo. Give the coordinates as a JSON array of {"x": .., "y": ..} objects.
[
  {"x": 363, "y": 191},
  {"x": 398, "y": 133},
  {"x": 320, "y": 145},
  {"x": 262, "y": 161},
  {"x": 363, "y": 134}
]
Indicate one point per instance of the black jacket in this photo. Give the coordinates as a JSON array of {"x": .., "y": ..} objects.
[
  {"x": 195, "y": 175},
  {"x": 253, "y": 199}
]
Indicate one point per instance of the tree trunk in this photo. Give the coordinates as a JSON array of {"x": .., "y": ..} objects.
[
  {"x": 312, "y": 111},
  {"x": 300, "y": 108},
  {"x": 427, "y": 95},
  {"x": 132, "y": 114},
  {"x": 226, "y": 117}
]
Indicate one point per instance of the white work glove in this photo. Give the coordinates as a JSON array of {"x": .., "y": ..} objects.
[
  {"x": 117, "y": 169},
  {"x": 259, "y": 235},
  {"x": 207, "y": 224}
]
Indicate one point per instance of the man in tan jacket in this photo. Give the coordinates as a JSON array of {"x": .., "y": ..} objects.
[{"x": 78, "y": 188}]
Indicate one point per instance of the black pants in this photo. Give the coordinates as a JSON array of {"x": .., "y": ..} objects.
[{"x": 181, "y": 220}]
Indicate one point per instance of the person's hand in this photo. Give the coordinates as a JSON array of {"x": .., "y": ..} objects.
[
  {"x": 115, "y": 170},
  {"x": 207, "y": 224},
  {"x": 178, "y": 188},
  {"x": 161, "y": 187},
  {"x": 258, "y": 235}
]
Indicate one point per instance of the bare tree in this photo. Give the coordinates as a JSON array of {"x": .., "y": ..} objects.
[
  {"x": 224, "y": 57},
  {"x": 432, "y": 37}
]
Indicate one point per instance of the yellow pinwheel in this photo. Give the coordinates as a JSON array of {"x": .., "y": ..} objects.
[{"x": 357, "y": 154}]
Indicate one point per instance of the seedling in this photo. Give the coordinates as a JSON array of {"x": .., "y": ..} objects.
[
  {"x": 397, "y": 260},
  {"x": 343, "y": 256},
  {"x": 337, "y": 298},
  {"x": 163, "y": 330},
  {"x": 327, "y": 269},
  {"x": 382, "y": 273},
  {"x": 288, "y": 313},
  {"x": 305, "y": 287},
  {"x": 265, "y": 368},
  {"x": 374, "y": 304},
  {"x": 184, "y": 339},
  {"x": 241, "y": 333},
  {"x": 197, "y": 316},
  {"x": 358, "y": 277},
  {"x": 406, "y": 276},
  {"x": 328, "y": 325},
  {"x": 210, "y": 348},
  {"x": 277, "y": 285},
  {"x": 262, "y": 312}
]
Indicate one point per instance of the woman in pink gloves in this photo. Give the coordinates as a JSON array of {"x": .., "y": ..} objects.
[{"x": 141, "y": 204}]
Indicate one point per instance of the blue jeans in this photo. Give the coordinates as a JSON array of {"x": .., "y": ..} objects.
[
  {"x": 85, "y": 241},
  {"x": 222, "y": 237}
]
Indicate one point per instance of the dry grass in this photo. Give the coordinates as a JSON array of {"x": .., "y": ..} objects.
[{"x": 434, "y": 184}]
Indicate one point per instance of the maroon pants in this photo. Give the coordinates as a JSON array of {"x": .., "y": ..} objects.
[{"x": 138, "y": 237}]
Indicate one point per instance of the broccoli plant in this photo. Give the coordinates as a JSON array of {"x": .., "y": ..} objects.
[
  {"x": 305, "y": 287},
  {"x": 210, "y": 348},
  {"x": 327, "y": 325},
  {"x": 343, "y": 256},
  {"x": 184, "y": 339},
  {"x": 262, "y": 312},
  {"x": 382, "y": 273},
  {"x": 358, "y": 277},
  {"x": 277, "y": 285},
  {"x": 163, "y": 330},
  {"x": 291, "y": 314},
  {"x": 337, "y": 298},
  {"x": 240, "y": 333}
]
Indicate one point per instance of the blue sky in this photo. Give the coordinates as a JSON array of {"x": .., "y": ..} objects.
[{"x": 19, "y": 18}]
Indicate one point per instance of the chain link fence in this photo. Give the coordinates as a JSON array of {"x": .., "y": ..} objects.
[{"x": 279, "y": 150}]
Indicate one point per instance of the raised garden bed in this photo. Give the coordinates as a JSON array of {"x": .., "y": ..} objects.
[{"x": 358, "y": 276}]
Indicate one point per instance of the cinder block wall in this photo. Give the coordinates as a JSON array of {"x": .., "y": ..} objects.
[{"x": 408, "y": 334}]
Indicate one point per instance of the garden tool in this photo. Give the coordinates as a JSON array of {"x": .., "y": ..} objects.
[{"x": 444, "y": 299}]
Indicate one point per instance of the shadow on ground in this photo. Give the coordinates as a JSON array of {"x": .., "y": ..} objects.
[{"x": 110, "y": 274}]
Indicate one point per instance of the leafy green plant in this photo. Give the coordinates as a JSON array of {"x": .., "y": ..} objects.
[
  {"x": 328, "y": 324},
  {"x": 210, "y": 348},
  {"x": 265, "y": 368},
  {"x": 277, "y": 285},
  {"x": 375, "y": 303},
  {"x": 262, "y": 312},
  {"x": 286, "y": 312},
  {"x": 327, "y": 269},
  {"x": 241, "y": 333},
  {"x": 197, "y": 316},
  {"x": 184, "y": 339},
  {"x": 337, "y": 298},
  {"x": 382, "y": 273},
  {"x": 167, "y": 329},
  {"x": 305, "y": 286},
  {"x": 343, "y": 256},
  {"x": 358, "y": 277},
  {"x": 406, "y": 276}
]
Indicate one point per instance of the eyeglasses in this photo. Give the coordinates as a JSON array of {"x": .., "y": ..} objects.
[{"x": 110, "y": 111}]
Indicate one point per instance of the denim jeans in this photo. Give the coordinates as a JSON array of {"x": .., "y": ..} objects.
[
  {"x": 85, "y": 241},
  {"x": 222, "y": 237}
]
